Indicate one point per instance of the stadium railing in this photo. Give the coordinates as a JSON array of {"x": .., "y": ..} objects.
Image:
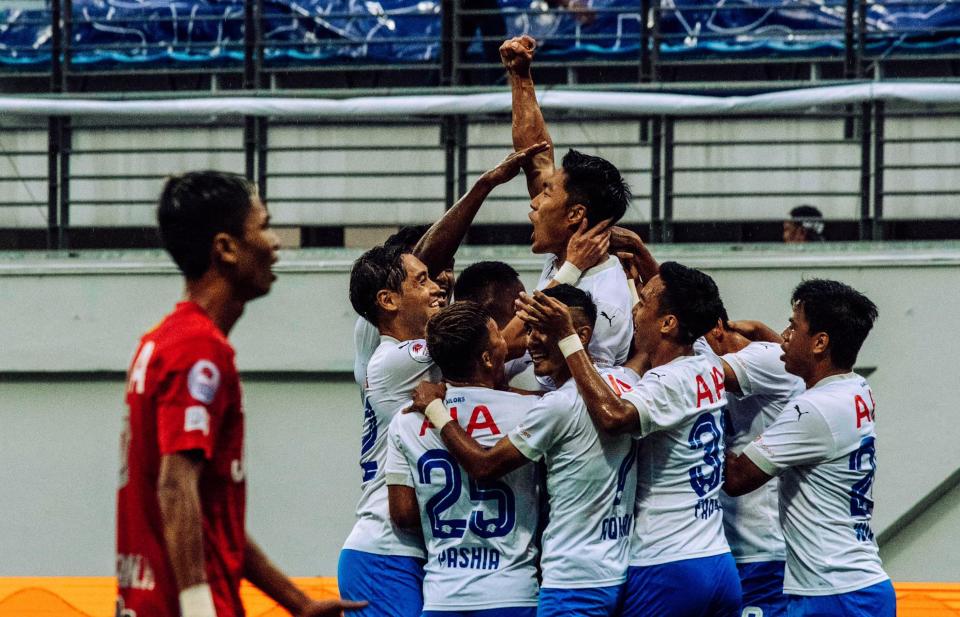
[{"x": 869, "y": 163}]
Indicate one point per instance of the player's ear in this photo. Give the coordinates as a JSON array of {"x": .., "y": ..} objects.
[
  {"x": 669, "y": 324},
  {"x": 575, "y": 214},
  {"x": 486, "y": 359},
  {"x": 224, "y": 249},
  {"x": 584, "y": 332},
  {"x": 821, "y": 341},
  {"x": 388, "y": 300}
]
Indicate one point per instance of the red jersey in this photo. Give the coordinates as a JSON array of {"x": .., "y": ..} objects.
[{"x": 183, "y": 393}]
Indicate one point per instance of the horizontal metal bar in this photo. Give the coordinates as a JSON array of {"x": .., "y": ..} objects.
[
  {"x": 356, "y": 174},
  {"x": 928, "y": 193},
  {"x": 742, "y": 194},
  {"x": 766, "y": 142},
  {"x": 171, "y": 150},
  {"x": 889, "y": 166},
  {"x": 767, "y": 169}
]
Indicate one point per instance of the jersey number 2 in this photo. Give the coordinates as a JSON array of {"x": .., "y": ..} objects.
[{"x": 448, "y": 495}]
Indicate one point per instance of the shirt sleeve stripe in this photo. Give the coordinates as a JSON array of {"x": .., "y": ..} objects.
[{"x": 398, "y": 479}]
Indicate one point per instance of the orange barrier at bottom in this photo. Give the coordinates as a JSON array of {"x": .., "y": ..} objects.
[{"x": 94, "y": 597}]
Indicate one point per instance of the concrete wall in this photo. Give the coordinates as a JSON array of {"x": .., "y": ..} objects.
[
  {"x": 70, "y": 325},
  {"x": 338, "y": 174}
]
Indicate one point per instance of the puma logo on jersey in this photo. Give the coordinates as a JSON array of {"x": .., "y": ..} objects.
[
  {"x": 607, "y": 317},
  {"x": 799, "y": 413}
]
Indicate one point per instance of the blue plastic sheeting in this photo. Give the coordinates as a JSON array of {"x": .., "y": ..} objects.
[{"x": 210, "y": 32}]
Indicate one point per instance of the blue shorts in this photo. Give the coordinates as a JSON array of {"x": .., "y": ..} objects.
[
  {"x": 762, "y": 584},
  {"x": 506, "y": 611},
  {"x": 589, "y": 602},
  {"x": 874, "y": 601},
  {"x": 392, "y": 585},
  {"x": 706, "y": 586}
]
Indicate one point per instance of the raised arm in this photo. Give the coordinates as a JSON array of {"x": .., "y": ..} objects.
[
  {"x": 440, "y": 243},
  {"x": 755, "y": 331},
  {"x": 609, "y": 412},
  {"x": 480, "y": 463},
  {"x": 528, "y": 125},
  {"x": 638, "y": 261}
]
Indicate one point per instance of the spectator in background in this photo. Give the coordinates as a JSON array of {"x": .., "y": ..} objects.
[{"x": 804, "y": 225}]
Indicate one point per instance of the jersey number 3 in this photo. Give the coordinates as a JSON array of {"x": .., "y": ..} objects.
[{"x": 488, "y": 491}]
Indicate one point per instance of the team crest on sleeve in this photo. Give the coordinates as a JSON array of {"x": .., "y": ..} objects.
[
  {"x": 203, "y": 381},
  {"x": 419, "y": 352},
  {"x": 196, "y": 418}
]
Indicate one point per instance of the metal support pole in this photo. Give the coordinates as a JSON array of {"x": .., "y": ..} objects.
[
  {"x": 53, "y": 126},
  {"x": 448, "y": 44},
  {"x": 861, "y": 39},
  {"x": 645, "y": 74},
  {"x": 448, "y": 137},
  {"x": 255, "y": 129},
  {"x": 66, "y": 133},
  {"x": 865, "y": 157},
  {"x": 668, "y": 180},
  {"x": 655, "y": 44},
  {"x": 462, "y": 150},
  {"x": 849, "y": 60},
  {"x": 262, "y": 150},
  {"x": 656, "y": 179},
  {"x": 878, "y": 147}
]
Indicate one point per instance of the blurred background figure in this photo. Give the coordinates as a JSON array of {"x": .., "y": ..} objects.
[{"x": 804, "y": 225}]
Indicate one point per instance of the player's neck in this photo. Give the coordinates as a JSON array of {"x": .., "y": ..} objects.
[
  {"x": 821, "y": 371},
  {"x": 734, "y": 342},
  {"x": 399, "y": 329},
  {"x": 667, "y": 351},
  {"x": 215, "y": 296}
]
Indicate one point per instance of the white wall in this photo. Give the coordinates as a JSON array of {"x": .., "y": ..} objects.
[{"x": 65, "y": 317}]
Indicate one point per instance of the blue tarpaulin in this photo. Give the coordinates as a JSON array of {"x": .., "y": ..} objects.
[{"x": 164, "y": 32}]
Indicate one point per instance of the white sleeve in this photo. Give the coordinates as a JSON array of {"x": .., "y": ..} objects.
[
  {"x": 760, "y": 370},
  {"x": 800, "y": 436},
  {"x": 659, "y": 407},
  {"x": 405, "y": 363},
  {"x": 543, "y": 426},
  {"x": 366, "y": 339},
  {"x": 397, "y": 469}
]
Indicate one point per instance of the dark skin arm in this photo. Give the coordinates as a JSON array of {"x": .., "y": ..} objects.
[
  {"x": 742, "y": 475},
  {"x": 609, "y": 412},
  {"x": 528, "y": 125},
  {"x": 404, "y": 508},
  {"x": 179, "y": 497},
  {"x": 756, "y": 331},
  {"x": 440, "y": 243},
  {"x": 480, "y": 463},
  {"x": 638, "y": 261},
  {"x": 266, "y": 577}
]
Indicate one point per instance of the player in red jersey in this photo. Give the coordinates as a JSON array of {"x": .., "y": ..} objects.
[{"x": 181, "y": 545}]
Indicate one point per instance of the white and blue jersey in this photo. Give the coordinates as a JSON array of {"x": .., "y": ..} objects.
[
  {"x": 752, "y": 521},
  {"x": 607, "y": 285},
  {"x": 479, "y": 535},
  {"x": 679, "y": 531},
  {"x": 366, "y": 339},
  {"x": 591, "y": 480},
  {"x": 394, "y": 370},
  {"x": 823, "y": 448}
]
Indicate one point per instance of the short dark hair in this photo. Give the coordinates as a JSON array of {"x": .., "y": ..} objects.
[
  {"x": 456, "y": 337},
  {"x": 379, "y": 268},
  {"x": 407, "y": 236},
  {"x": 484, "y": 283},
  {"x": 810, "y": 219},
  {"x": 806, "y": 211},
  {"x": 845, "y": 314},
  {"x": 575, "y": 299},
  {"x": 196, "y": 206},
  {"x": 692, "y": 297},
  {"x": 596, "y": 184}
]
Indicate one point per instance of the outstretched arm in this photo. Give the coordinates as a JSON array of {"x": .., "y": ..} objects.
[
  {"x": 528, "y": 125},
  {"x": 480, "y": 463},
  {"x": 440, "y": 243},
  {"x": 266, "y": 577},
  {"x": 609, "y": 412},
  {"x": 755, "y": 331}
]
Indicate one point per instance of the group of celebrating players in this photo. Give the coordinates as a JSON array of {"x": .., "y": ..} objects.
[{"x": 603, "y": 446}]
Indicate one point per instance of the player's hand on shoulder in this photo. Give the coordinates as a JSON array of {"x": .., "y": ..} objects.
[
  {"x": 588, "y": 247},
  {"x": 330, "y": 608},
  {"x": 517, "y": 54},
  {"x": 424, "y": 394}
]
